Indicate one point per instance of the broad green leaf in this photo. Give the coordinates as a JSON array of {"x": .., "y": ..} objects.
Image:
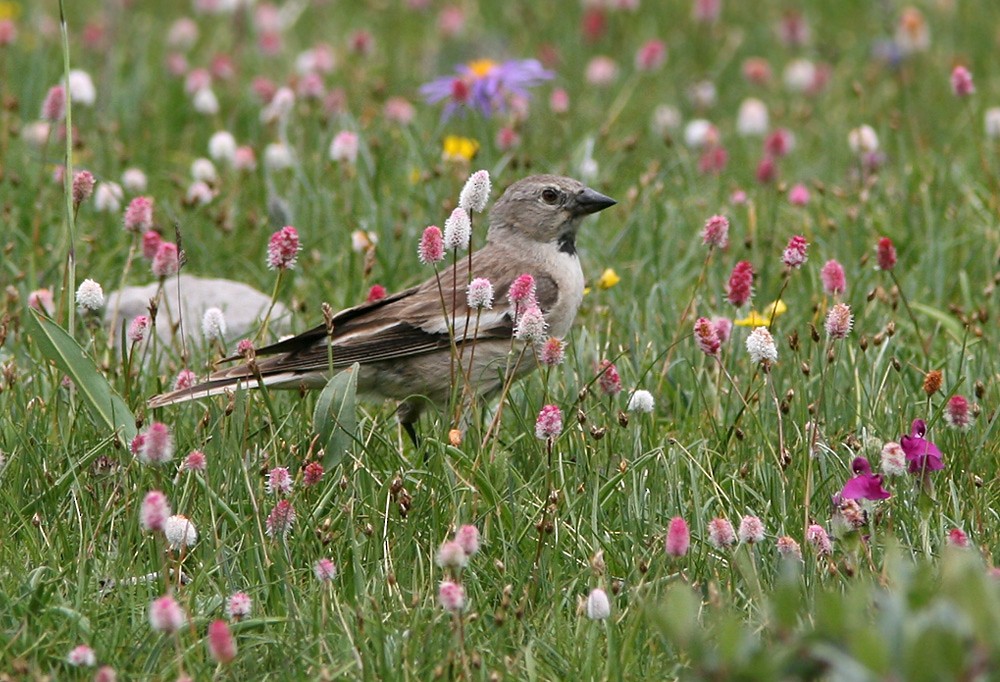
[
  {"x": 104, "y": 403},
  {"x": 335, "y": 418}
]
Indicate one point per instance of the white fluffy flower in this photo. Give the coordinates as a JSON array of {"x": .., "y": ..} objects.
[
  {"x": 641, "y": 401},
  {"x": 108, "y": 197},
  {"x": 213, "y": 324},
  {"x": 800, "y": 75},
  {"x": 991, "y": 122},
  {"x": 700, "y": 133},
  {"x": 222, "y": 147},
  {"x": 344, "y": 147},
  {"x": 205, "y": 102},
  {"x": 199, "y": 194},
  {"x": 134, "y": 180},
  {"x": 81, "y": 88},
  {"x": 203, "y": 170},
  {"x": 279, "y": 107},
  {"x": 666, "y": 119},
  {"x": 598, "y": 606},
  {"x": 863, "y": 140},
  {"x": 90, "y": 296},
  {"x": 476, "y": 192},
  {"x": 457, "y": 230},
  {"x": 752, "y": 118},
  {"x": 278, "y": 156},
  {"x": 180, "y": 532},
  {"x": 760, "y": 346}
]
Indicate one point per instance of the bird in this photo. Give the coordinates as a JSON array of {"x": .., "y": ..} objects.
[{"x": 403, "y": 344}]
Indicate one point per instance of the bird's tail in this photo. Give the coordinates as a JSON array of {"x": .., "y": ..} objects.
[{"x": 221, "y": 382}]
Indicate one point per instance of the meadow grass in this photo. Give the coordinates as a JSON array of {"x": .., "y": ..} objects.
[{"x": 590, "y": 509}]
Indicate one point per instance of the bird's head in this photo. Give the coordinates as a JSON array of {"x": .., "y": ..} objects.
[{"x": 545, "y": 209}]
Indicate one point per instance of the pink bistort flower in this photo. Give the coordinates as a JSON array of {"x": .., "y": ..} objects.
[{"x": 283, "y": 249}]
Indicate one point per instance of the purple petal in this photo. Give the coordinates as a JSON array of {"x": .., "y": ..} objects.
[{"x": 865, "y": 487}]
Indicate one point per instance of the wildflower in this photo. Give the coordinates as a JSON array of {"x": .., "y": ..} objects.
[
  {"x": 552, "y": 352},
  {"x": 800, "y": 75},
  {"x": 760, "y": 346},
  {"x": 279, "y": 481},
  {"x": 279, "y": 522},
  {"x": 991, "y": 122},
  {"x": 452, "y": 596},
  {"x": 82, "y": 656},
  {"x": 608, "y": 378},
  {"x": 239, "y": 605},
  {"x": 771, "y": 312},
  {"x": 312, "y": 473},
  {"x": 155, "y": 511},
  {"x": 180, "y": 532},
  {"x": 665, "y": 119},
  {"x": 817, "y": 537},
  {"x": 549, "y": 423},
  {"x": 376, "y": 293},
  {"x": 54, "y": 104},
  {"x": 90, "y": 296},
  {"x": 222, "y": 147},
  {"x": 651, "y": 55},
  {"x": 865, "y": 485},
  {"x": 151, "y": 241},
  {"x": 751, "y": 530},
  {"x": 608, "y": 279},
  {"x": 779, "y": 143},
  {"x": 641, "y": 401},
  {"x": 752, "y": 117},
  {"x": 788, "y": 548},
  {"x": 467, "y": 537},
  {"x": 139, "y": 215},
  {"x": 476, "y": 192},
  {"x": 244, "y": 159},
  {"x": 199, "y": 194},
  {"x": 832, "y": 275},
  {"x": 431, "y": 248},
  {"x": 707, "y": 337},
  {"x": 757, "y": 70},
  {"x": 598, "y": 606},
  {"x": 767, "y": 170},
  {"x": 522, "y": 291},
  {"x": 723, "y": 327},
  {"x": 283, "y": 249},
  {"x": 279, "y": 107},
  {"x": 42, "y": 301},
  {"x": 848, "y": 516},
  {"x": 195, "y": 461},
  {"x": 8, "y": 32},
  {"x": 956, "y": 412},
  {"x": 740, "y": 287},
  {"x": 278, "y": 156},
  {"x": 399, "y": 110},
  {"x": 245, "y": 348},
  {"x": 961, "y": 82},
  {"x": 213, "y": 324},
  {"x": 721, "y": 533},
  {"x": 932, "y": 382},
  {"x": 700, "y": 133},
  {"x": 794, "y": 255},
  {"x": 325, "y": 570},
  {"x": 798, "y": 195},
  {"x": 863, "y": 140},
  {"x": 716, "y": 232},
  {"x": 157, "y": 444},
  {"x": 885, "y": 254},
  {"x": 912, "y": 32},
  {"x": 451, "y": 554},
  {"x": 166, "y": 260},
  {"x": 713, "y": 160},
  {"x": 893, "y": 459},
  {"x": 531, "y": 325},
  {"x": 485, "y": 85},
  {"x": 601, "y": 71},
  {"x": 921, "y": 454},
  {"x": 457, "y": 230},
  {"x": 839, "y": 321},
  {"x": 185, "y": 379},
  {"x": 457, "y": 148},
  {"x": 205, "y": 102},
  {"x": 165, "y": 615},
  {"x": 344, "y": 147},
  {"x": 221, "y": 645},
  {"x": 957, "y": 538},
  {"x": 83, "y": 187},
  {"x": 480, "y": 294},
  {"x": 678, "y": 537}
]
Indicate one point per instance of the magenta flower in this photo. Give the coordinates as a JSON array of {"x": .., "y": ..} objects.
[
  {"x": 452, "y": 596},
  {"x": 957, "y": 538},
  {"x": 707, "y": 336},
  {"x": 961, "y": 82},
  {"x": 678, "y": 537},
  {"x": 839, "y": 321},
  {"x": 531, "y": 325},
  {"x": 83, "y": 187},
  {"x": 651, "y": 55},
  {"x": 794, "y": 255},
  {"x": 716, "y": 232},
  {"x": 151, "y": 241},
  {"x": 195, "y": 461},
  {"x": 239, "y": 605},
  {"x": 54, "y": 104},
  {"x": 740, "y": 286},
  {"x": 922, "y": 454},
  {"x": 721, "y": 533},
  {"x": 485, "y": 86},
  {"x": 798, "y": 195},
  {"x": 139, "y": 215},
  {"x": 957, "y": 413},
  {"x": 552, "y": 353},
  {"x": 221, "y": 645},
  {"x": 431, "y": 248},
  {"x": 549, "y": 423},
  {"x": 167, "y": 261},
  {"x": 283, "y": 249},
  {"x": 467, "y": 537},
  {"x": 865, "y": 485},
  {"x": 166, "y": 615},
  {"x": 522, "y": 291},
  {"x": 885, "y": 254},
  {"x": 281, "y": 519},
  {"x": 312, "y": 474},
  {"x": 609, "y": 381},
  {"x": 751, "y": 530},
  {"x": 157, "y": 444},
  {"x": 325, "y": 570},
  {"x": 155, "y": 511},
  {"x": 834, "y": 281},
  {"x": 817, "y": 537}
]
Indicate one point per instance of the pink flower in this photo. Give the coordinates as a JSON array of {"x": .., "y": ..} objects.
[
  {"x": 832, "y": 275},
  {"x": 452, "y": 596},
  {"x": 244, "y": 159},
  {"x": 8, "y": 32},
  {"x": 467, "y": 537},
  {"x": 721, "y": 533},
  {"x": 431, "y": 249},
  {"x": 767, "y": 170},
  {"x": 155, "y": 511},
  {"x": 185, "y": 379},
  {"x": 457, "y": 230},
  {"x": 312, "y": 474},
  {"x": 522, "y": 291},
  {"x": 706, "y": 11},
  {"x": 740, "y": 286},
  {"x": 608, "y": 378},
  {"x": 239, "y": 605},
  {"x": 865, "y": 485},
  {"x": 961, "y": 82},
  {"x": 713, "y": 160},
  {"x": 195, "y": 461},
  {"x": 376, "y": 293},
  {"x": 42, "y": 301},
  {"x": 751, "y": 530},
  {"x": 531, "y": 325},
  {"x": 559, "y": 101},
  {"x": 958, "y": 538},
  {"x": 723, "y": 327},
  {"x": 451, "y": 554},
  {"x": 166, "y": 615},
  {"x": 798, "y": 195},
  {"x": 137, "y": 329},
  {"x": 166, "y": 262},
  {"x": 344, "y": 147},
  {"x": 779, "y": 143},
  {"x": 885, "y": 254},
  {"x": 480, "y": 294},
  {"x": 549, "y": 423},
  {"x": 279, "y": 481},
  {"x": 716, "y": 232},
  {"x": 818, "y": 538},
  {"x": 651, "y": 55},
  {"x": 221, "y": 645},
  {"x": 839, "y": 321},
  {"x": 325, "y": 570},
  {"x": 283, "y": 249},
  {"x": 139, "y": 215},
  {"x": 678, "y": 537},
  {"x": 706, "y": 336},
  {"x": 83, "y": 187},
  {"x": 893, "y": 459},
  {"x": 157, "y": 445},
  {"x": 279, "y": 522},
  {"x": 552, "y": 353},
  {"x": 54, "y": 104},
  {"x": 601, "y": 71},
  {"x": 788, "y": 548},
  {"x": 507, "y": 138},
  {"x": 151, "y": 241},
  {"x": 245, "y": 348},
  {"x": 794, "y": 255},
  {"x": 956, "y": 412},
  {"x": 82, "y": 657},
  {"x": 922, "y": 454},
  {"x": 399, "y": 110}
]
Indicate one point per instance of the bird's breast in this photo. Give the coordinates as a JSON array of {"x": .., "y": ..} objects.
[{"x": 568, "y": 275}]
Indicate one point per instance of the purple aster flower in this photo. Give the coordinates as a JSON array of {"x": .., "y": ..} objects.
[
  {"x": 865, "y": 485},
  {"x": 485, "y": 85},
  {"x": 922, "y": 454}
]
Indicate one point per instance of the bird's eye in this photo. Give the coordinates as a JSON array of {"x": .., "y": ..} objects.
[{"x": 549, "y": 195}]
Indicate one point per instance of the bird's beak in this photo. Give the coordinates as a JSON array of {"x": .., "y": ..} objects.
[{"x": 591, "y": 201}]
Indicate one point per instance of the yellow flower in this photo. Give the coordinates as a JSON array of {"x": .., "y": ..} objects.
[
  {"x": 481, "y": 68},
  {"x": 772, "y": 311},
  {"x": 608, "y": 279},
  {"x": 459, "y": 148},
  {"x": 9, "y": 10}
]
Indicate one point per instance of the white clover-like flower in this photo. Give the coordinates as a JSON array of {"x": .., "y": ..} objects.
[
  {"x": 108, "y": 197},
  {"x": 457, "y": 230},
  {"x": 203, "y": 170},
  {"x": 278, "y": 156},
  {"x": 90, "y": 296},
  {"x": 213, "y": 324},
  {"x": 531, "y": 325},
  {"x": 180, "y": 532},
  {"x": 863, "y": 140},
  {"x": 641, "y": 400},
  {"x": 222, "y": 147},
  {"x": 205, "y": 102},
  {"x": 476, "y": 192},
  {"x": 760, "y": 346},
  {"x": 480, "y": 293},
  {"x": 81, "y": 88},
  {"x": 598, "y": 605}
]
